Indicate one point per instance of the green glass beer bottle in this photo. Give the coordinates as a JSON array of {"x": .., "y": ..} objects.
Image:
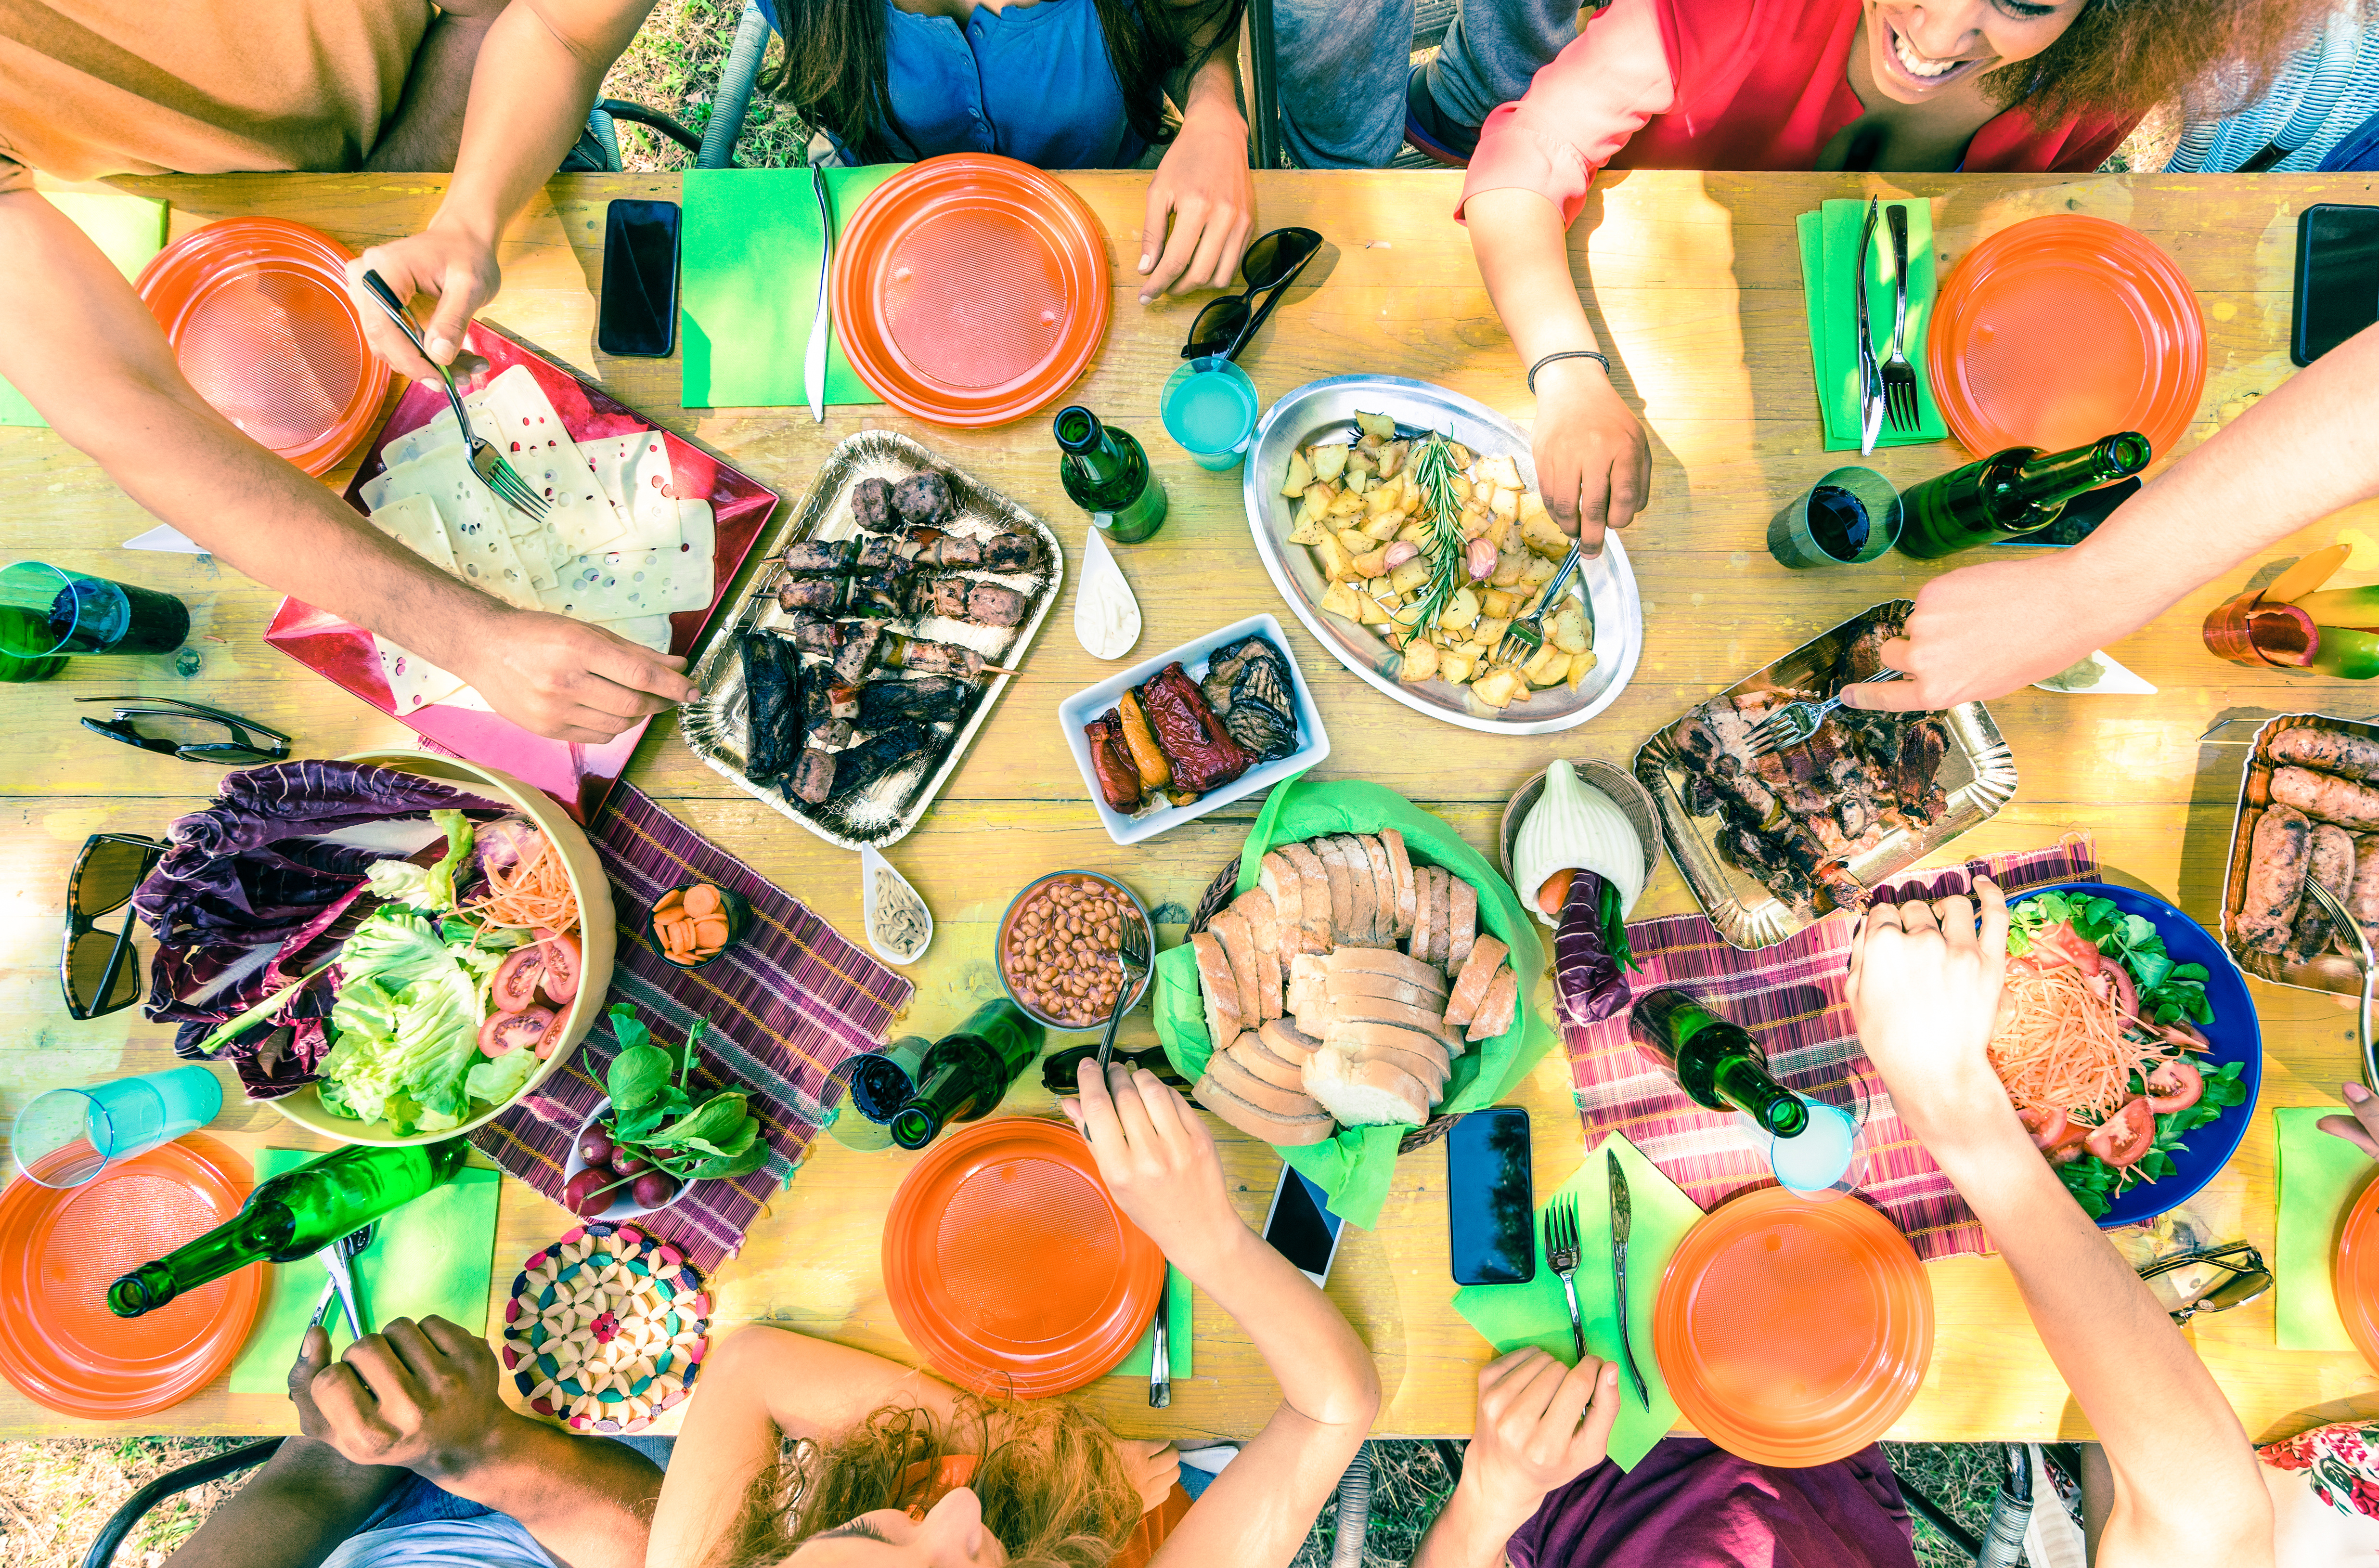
[
  {"x": 294, "y": 1215},
  {"x": 1717, "y": 1063},
  {"x": 2016, "y": 491},
  {"x": 876, "y": 1085},
  {"x": 964, "y": 1075},
  {"x": 1106, "y": 473}
]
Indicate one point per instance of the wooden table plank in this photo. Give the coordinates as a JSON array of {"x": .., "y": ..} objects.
[{"x": 1697, "y": 291}]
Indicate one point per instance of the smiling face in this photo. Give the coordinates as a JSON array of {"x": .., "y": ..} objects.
[
  {"x": 1917, "y": 52},
  {"x": 951, "y": 1535}
]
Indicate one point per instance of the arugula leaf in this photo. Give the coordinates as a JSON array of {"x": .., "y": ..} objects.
[
  {"x": 626, "y": 1028},
  {"x": 638, "y": 1076},
  {"x": 751, "y": 1160},
  {"x": 716, "y": 1120}
]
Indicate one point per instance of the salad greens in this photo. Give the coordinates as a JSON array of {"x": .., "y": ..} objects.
[
  {"x": 2095, "y": 1183},
  {"x": 654, "y": 1119}
]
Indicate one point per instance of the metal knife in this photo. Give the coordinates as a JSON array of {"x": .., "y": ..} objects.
[
  {"x": 1160, "y": 1359},
  {"x": 1620, "y": 1220},
  {"x": 1870, "y": 369},
  {"x": 813, "y": 362}
]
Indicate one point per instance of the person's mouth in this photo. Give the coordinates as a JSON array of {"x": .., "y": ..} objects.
[{"x": 1922, "y": 71}]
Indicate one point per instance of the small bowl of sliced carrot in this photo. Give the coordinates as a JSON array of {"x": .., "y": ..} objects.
[{"x": 694, "y": 923}]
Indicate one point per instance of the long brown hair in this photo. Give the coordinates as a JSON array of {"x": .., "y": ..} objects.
[
  {"x": 834, "y": 69},
  {"x": 2126, "y": 57},
  {"x": 1053, "y": 1488}
]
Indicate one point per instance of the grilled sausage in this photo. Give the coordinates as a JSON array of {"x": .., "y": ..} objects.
[
  {"x": 922, "y": 498},
  {"x": 2363, "y": 896},
  {"x": 2278, "y": 854},
  {"x": 2333, "y": 867},
  {"x": 2340, "y": 801},
  {"x": 871, "y": 506},
  {"x": 2328, "y": 751}
]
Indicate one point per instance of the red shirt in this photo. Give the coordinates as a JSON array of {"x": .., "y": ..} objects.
[{"x": 1723, "y": 84}]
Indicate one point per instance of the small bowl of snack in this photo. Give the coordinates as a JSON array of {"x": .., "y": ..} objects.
[
  {"x": 1060, "y": 944},
  {"x": 696, "y": 922}
]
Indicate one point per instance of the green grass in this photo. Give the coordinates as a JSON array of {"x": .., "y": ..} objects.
[
  {"x": 54, "y": 1495},
  {"x": 673, "y": 65}
]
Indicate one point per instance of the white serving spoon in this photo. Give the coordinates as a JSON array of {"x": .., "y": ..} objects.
[
  {"x": 874, "y": 869},
  {"x": 1106, "y": 617}
]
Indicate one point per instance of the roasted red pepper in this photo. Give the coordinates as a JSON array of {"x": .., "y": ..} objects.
[
  {"x": 1111, "y": 760},
  {"x": 1205, "y": 756}
]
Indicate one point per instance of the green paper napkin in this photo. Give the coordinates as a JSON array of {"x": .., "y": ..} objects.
[
  {"x": 1510, "y": 1316},
  {"x": 1354, "y": 1167},
  {"x": 434, "y": 1255},
  {"x": 2319, "y": 1177},
  {"x": 1176, "y": 1329},
  {"x": 748, "y": 284},
  {"x": 1829, "y": 241},
  {"x": 129, "y": 229}
]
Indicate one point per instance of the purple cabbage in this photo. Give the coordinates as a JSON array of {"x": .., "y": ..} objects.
[{"x": 1590, "y": 951}]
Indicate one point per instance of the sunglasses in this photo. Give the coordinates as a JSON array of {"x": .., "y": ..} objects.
[
  {"x": 243, "y": 747},
  {"x": 94, "y": 967},
  {"x": 1059, "y": 1069},
  {"x": 2244, "y": 1276},
  {"x": 1270, "y": 264}
]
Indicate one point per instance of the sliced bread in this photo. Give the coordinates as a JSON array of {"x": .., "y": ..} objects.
[
  {"x": 1470, "y": 985},
  {"x": 1502, "y": 1001},
  {"x": 1227, "y": 1071},
  {"x": 1465, "y": 926},
  {"x": 1288, "y": 1042},
  {"x": 1366, "y": 1094},
  {"x": 1307, "y": 980},
  {"x": 1264, "y": 931},
  {"x": 1313, "y": 878},
  {"x": 1383, "y": 885},
  {"x": 1429, "y": 1072},
  {"x": 1441, "y": 915},
  {"x": 1250, "y": 1051},
  {"x": 1364, "y": 928},
  {"x": 1278, "y": 877},
  {"x": 1239, "y": 947},
  {"x": 1387, "y": 961},
  {"x": 1284, "y": 1131},
  {"x": 1417, "y": 940},
  {"x": 1344, "y": 1010},
  {"x": 1362, "y": 1034},
  {"x": 1218, "y": 990},
  {"x": 1354, "y": 983},
  {"x": 1342, "y": 888},
  {"x": 1400, "y": 872}
]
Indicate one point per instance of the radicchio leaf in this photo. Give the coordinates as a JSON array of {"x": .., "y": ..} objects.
[{"x": 1589, "y": 950}]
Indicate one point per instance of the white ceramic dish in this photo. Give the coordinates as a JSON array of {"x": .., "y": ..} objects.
[
  {"x": 870, "y": 864},
  {"x": 623, "y": 1207},
  {"x": 1085, "y": 706}
]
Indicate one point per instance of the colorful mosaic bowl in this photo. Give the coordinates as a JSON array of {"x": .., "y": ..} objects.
[{"x": 606, "y": 1329}]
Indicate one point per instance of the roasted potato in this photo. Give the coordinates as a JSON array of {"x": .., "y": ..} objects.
[
  {"x": 1548, "y": 668},
  {"x": 1541, "y": 535},
  {"x": 1329, "y": 461},
  {"x": 1343, "y": 600},
  {"x": 1456, "y": 667},
  {"x": 1565, "y": 627},
  {"x": 1382, "y": 425},
  {"x": 1500, "y": 470},
  {"x": 1497, "y": 688},
  {"x": 1580, "y": 667},
  {"x": 1420, "y": 661},
  {"x": 1301, "y": 476}
]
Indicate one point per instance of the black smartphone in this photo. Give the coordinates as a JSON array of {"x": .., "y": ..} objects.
[
  {"x": 1490, "y": 1198},
  {"x": 1300, "y": 1227},
  {"x": 639, "y": 308},
  {"x": 2337, "y": 277}
]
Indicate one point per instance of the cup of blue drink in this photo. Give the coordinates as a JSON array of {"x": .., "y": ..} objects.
[
  {"x": 67, "y": 1135},
  {"x": 48, "y": 612},
  {"x": 1210, "y": 407},
  {"x": 1823, "y": 1160},
  {"x": 1848, "y": 518}
]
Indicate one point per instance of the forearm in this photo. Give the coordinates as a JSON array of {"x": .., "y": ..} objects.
[
  {"x": 1324, "y": 1372},
  {"x": 1210, "y": 101},
  {"x": 587, "y": 1500},
  {"x": 1470, "y": 1532},
  {"x": 292, "y": 1513},
  {"x": 423, "y": 136},
  {"x": 1523, "y": 254}
]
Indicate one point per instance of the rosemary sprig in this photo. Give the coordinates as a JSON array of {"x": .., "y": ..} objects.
[{"x": 1433, "y": 472}]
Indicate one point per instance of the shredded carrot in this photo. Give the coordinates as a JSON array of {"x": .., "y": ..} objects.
[
  {"x": 2060, "y": 1047},
  {"x": 533, "y": 891}
]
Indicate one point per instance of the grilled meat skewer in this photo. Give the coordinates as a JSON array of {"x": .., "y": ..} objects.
[
  {"x": 965, "y": 599},
  {"x": 931, "y": 699}
]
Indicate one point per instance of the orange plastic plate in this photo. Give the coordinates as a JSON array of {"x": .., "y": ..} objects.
[
  {"x": 258, "y": 315},
  {"x": 2354, "y": 1278},
  {"x": 2059, "y": 329},
  {"x": 60, "y": 1249},
  {"x": 971, "y": 289},
  {"x": 1010, "y": 1267},
  {"x": 1794, "y": 1332}
]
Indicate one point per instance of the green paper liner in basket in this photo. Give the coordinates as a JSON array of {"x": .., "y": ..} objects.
[{"x": 1355, "y": 1166}]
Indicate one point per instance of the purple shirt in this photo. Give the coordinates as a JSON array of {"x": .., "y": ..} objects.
[{"x": 1691, "y": 1504}]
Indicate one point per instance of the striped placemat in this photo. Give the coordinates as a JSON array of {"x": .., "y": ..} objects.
[
  {"x": 1790, "y": 997},
  {"x": 786, "y": 1005}
]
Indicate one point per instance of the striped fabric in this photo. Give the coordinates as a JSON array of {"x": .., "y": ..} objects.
[
  {"x": 786, "y": 1005},
  {"x": 1790, "y": 997}
]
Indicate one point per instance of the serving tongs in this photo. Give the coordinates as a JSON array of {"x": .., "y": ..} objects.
[
  {"x": 2346, "y": 922},
  {"x": 485, "y": 461}
]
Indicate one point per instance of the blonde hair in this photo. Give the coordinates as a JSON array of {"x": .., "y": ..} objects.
[{"x": 1053, "y": 1488}]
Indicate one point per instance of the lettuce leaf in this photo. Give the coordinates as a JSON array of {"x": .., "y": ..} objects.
[
  {"x": 426, "y": 887},
  {"x": 408, "y": 1024}
]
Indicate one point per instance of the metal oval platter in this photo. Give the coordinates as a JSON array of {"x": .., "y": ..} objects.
[{"x": 1606, "y": 584}]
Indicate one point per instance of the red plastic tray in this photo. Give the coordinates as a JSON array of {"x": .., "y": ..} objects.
[{"x": 578, "y": 776}]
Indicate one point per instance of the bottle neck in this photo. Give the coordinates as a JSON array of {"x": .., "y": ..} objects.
[
  {"x": 2043, "y": 482},
  {"x": 959, "y": 1081},
  {"x": 1743, "y": 1082},
  {"x": 252, "y": 1236}
]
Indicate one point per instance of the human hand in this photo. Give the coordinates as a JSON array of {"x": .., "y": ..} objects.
[
  {"x": 1996, "y": 627},
  {"x": 1540, "y": 1426},
  {"x": 1154, "y": 1466},
  {"x": 455, "y": 269},
  {"x": 1205, "y": 186},
  {"x": 2361, "y": 1128},
  {"x": 422, "y": 1395},
  {"x": 313, "y": 1358},
  {"x": 1924, "y": 991},
  {"x": 570, "y": 681},
  {"x": 1158, "y": 1161},
  {"x": 1594, "y": 465}
]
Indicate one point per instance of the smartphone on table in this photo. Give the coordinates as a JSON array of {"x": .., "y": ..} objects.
[
  {"x": 638, "y": 313},
  {"x": 1300, "y": 1226},
  {"x": 2337, "y": 277},
  {"x": 1490, "y": 1198}
]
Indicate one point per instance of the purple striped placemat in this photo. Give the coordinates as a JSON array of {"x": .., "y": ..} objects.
[
  {"x": 1790, "y": 997},
  {"x": 786, "y": 1005}
]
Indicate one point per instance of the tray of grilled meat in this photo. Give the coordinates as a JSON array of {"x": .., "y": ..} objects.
[
  {"x": 892, "y": 611},
  {"x": 2307, "y": 809},
  {"x": 1771, "y": 843}
]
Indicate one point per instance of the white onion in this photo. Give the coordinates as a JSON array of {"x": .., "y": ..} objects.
[{"x": 1574, "y": 826}]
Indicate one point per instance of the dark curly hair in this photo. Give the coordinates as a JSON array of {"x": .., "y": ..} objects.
[{"x": 2126, "y": 58}]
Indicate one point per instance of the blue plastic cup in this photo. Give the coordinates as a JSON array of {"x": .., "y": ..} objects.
[
  {"x": 1823, "y": 1160},
  {"x": 1210, "y": 407},
  {"x": 67, "y": 1135}
]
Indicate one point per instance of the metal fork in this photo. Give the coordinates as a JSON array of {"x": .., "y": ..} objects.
[
  {"x": 1133, "y": 952},
  {"x": 2345, "y": 922},
  {"x": 337, "y": 1263},
  {"x": 1899, "y": 376},
  {"x": 1796, "y": 722},
  {"x": 1561, "y": 1256},
  {"x": 1528, "y": 633},
  {"x": 485, "y": 461}
]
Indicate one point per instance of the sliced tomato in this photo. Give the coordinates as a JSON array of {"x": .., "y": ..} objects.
[
  {"x": 2048, "y": 1127},
  {"x": 505, "y": 1032},
  {"x": 2174, "y": 1086},
  {"x": 563, "y": 963},
  {"x": 2022, "y": 966},
  {"x": 2186, "y": 1038},
  {"x": 2113, "y": 981},
  {"x": 514, "y": 987},
  {"x": 2052, "y": 944},
  {"x": 2124, "y": 1137}
]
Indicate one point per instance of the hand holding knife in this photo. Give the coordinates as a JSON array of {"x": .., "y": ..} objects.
[{"x": 1621, "y": 1219}]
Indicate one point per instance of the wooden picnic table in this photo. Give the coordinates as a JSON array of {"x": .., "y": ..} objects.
[{"x": 1697, "y": 296}]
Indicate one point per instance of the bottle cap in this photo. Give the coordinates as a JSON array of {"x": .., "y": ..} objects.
[{"x": 1077, "y": 429}]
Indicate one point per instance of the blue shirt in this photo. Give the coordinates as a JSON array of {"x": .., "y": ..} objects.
[{"x": 1031, "y": 82}]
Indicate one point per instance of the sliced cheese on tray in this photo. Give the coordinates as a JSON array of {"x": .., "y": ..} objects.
[
  {"x": 413, "y": 680},
  {"x": 413, "y": 521},
  {"x": 624, "y": 585},
  {"x": 635, "y": 474}
]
